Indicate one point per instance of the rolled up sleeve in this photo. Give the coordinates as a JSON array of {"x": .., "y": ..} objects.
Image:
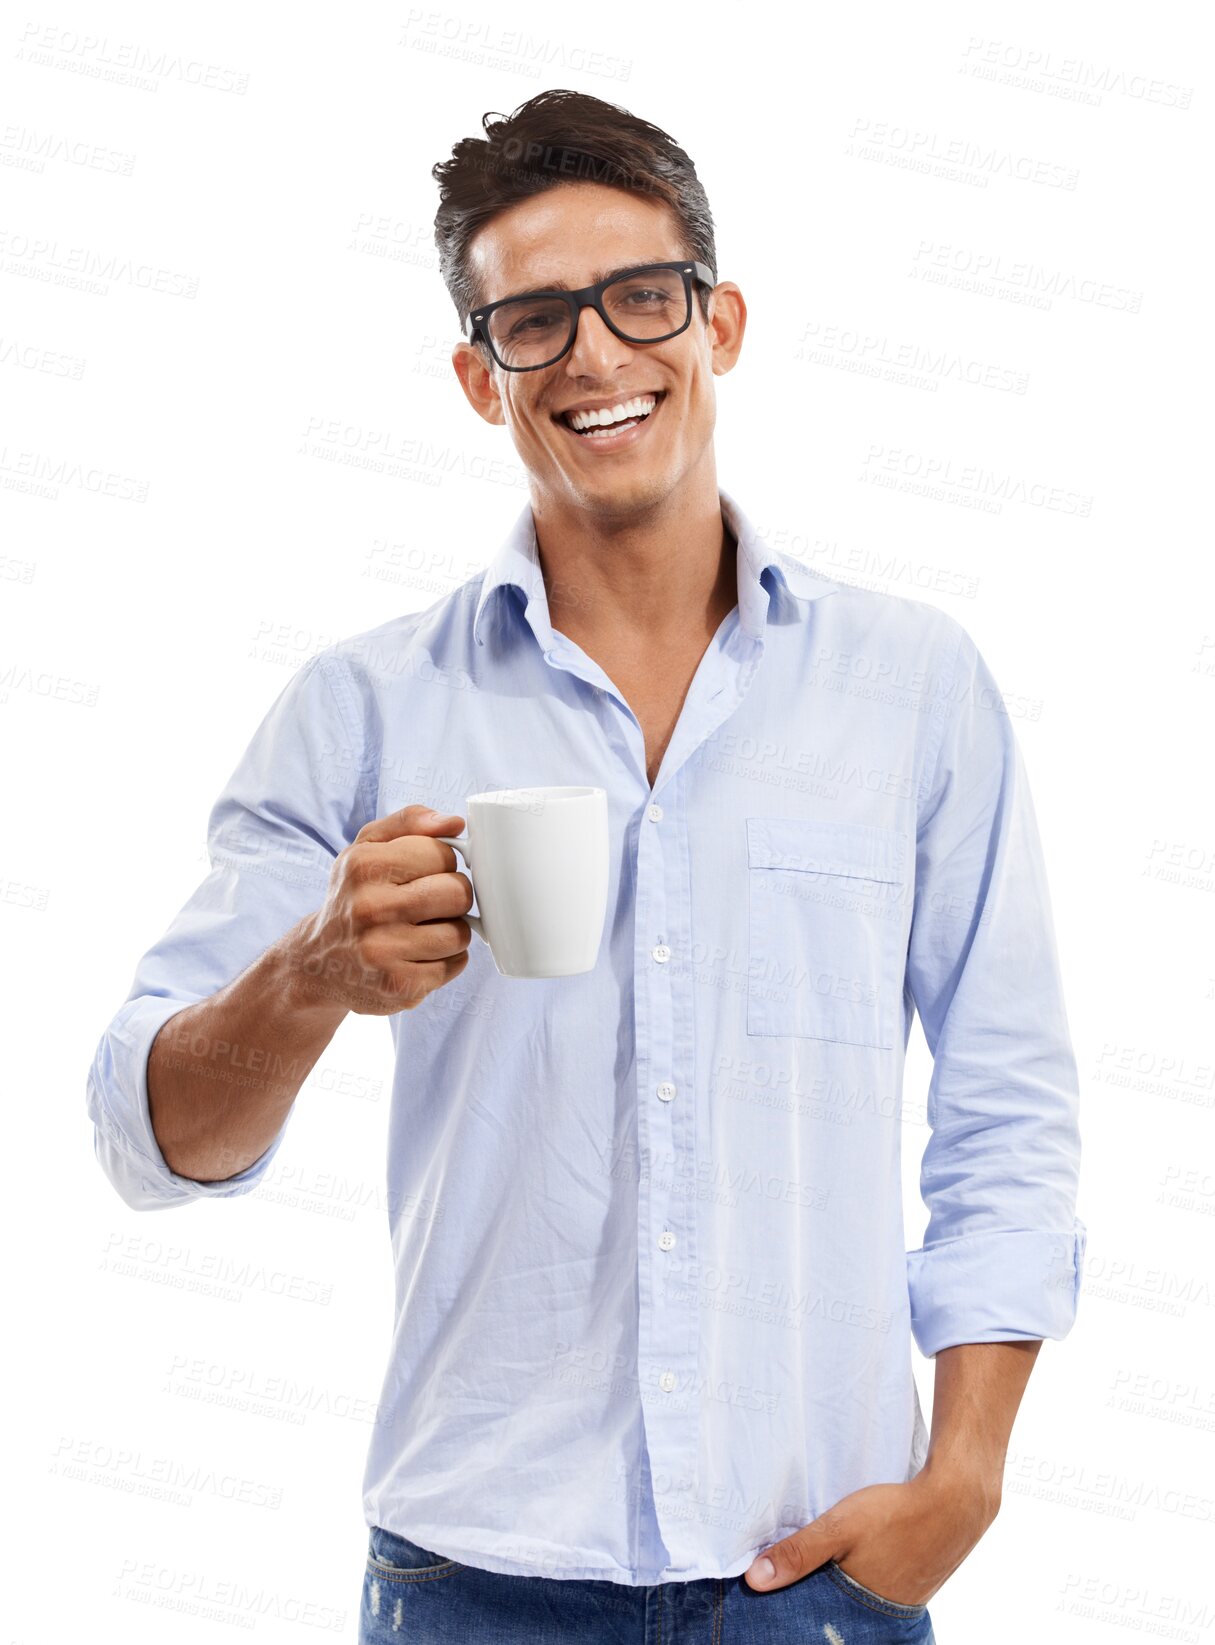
[
  {"x": 1003, "y": 1251},
  {"x": 297, "y": 797}
]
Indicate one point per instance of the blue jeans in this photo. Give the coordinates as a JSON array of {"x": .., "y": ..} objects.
[{"x": 411, "y": 1594}]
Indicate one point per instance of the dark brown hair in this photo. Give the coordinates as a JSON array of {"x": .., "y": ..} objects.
[{"x": 561, "y": 137}]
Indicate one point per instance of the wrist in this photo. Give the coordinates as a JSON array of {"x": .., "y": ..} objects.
[
  {"x": 979, "y": 1480},
  {"x": 304, "y": 992}
]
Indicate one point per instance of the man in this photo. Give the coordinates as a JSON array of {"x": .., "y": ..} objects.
[{"x": 654, "y": 1311}]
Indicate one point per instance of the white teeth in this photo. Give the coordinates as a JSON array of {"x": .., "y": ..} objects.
[{"x": 603, "y": 418}]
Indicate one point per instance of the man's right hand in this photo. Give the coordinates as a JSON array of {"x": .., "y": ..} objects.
[{"x": 390, "y": 929}]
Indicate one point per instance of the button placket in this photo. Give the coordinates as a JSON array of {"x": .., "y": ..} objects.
[
  {"x": 668, "y": 1331},
  {"x": 664, "y": 984}
]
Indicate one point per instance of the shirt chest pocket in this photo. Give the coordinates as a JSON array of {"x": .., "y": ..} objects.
[{"x": 825, "y": 929}]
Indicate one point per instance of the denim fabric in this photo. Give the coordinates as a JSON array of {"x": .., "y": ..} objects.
[{"x": 415, "y": 1594}]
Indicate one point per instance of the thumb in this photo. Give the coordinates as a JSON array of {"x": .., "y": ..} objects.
[
  {"x": 412, "y": 819},
  {"x": 792, "y": 1558}
]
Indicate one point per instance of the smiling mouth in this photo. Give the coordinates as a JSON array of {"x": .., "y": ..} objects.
[{"x": 605, "y": 432}]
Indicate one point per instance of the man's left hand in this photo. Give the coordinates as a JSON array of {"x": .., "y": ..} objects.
[{"x": 900, "y": 1541}]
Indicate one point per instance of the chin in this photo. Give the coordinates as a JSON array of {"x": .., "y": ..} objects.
[{"x": 627, "y": 493}]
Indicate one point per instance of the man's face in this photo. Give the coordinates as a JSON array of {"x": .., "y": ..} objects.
[{"x": 571, "y": 235}]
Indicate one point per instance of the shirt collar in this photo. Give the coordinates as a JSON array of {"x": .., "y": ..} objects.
[{"x": 516, "y": 564}]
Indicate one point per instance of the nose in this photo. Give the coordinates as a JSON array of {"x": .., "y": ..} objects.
[{"x": 596, "y": 349}]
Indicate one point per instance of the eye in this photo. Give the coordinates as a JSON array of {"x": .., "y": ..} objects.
[{"x": 531, "y": 322}]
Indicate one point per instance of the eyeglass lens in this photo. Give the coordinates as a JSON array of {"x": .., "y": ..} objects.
[{"x": 535, "y": 331}]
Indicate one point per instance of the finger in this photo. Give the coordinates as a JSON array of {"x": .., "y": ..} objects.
[
  {"x": 791, "y": 1559},
  {"x": 428, "y": 900},
  {"x": 411, "y": 819},
  {"x": 409, "y": 988},
  {"x": 405, "y": 858},
  {"x": 423, "y": 944}
]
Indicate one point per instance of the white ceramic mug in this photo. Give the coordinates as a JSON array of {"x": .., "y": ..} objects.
[{"x": 540, "y": 861}]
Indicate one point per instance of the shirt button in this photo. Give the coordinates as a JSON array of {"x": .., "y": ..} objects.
[
  {"x": 667, "y": 1381},
  {"x": 666, "y": 1240},
  {"x": 662, "y": 953},
  {"x": 666, "y": 1091},
  {"x": 654, "y": 813}
]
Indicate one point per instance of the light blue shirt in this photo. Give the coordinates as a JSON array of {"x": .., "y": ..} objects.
[{"x": 654, "y": 1309}]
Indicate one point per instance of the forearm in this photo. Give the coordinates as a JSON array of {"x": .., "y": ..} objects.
[
  {"x": 976, "y": 1396},
  {"x": 223, "y": 1073}
]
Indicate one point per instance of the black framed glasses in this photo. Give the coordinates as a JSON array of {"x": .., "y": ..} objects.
[{"x": 646, "y": 304}]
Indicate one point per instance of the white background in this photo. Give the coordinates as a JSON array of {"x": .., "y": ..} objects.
[{"x": 201, "y": 347}]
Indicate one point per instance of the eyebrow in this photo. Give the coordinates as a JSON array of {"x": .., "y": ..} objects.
[{"x": 564, "y": 285}]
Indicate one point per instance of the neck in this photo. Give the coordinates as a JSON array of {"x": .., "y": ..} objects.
[{"x": 663, "y": 576}]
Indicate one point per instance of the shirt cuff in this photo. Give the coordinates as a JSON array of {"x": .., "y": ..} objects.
[
  {"x": 124, "y": 1141},
  {"x": 1013, "y": 1285}
]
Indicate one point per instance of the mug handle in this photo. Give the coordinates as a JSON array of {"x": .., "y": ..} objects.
[{"x": 463, "y": 846}]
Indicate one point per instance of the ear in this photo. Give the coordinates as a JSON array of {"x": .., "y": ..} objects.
[
  {"x": 726, "y": 325},
  {"x": 478, "y": 379}
]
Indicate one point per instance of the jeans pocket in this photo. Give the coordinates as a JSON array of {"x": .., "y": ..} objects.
[
  {"x": 826, "y": 935},
  {"x": 866, "y": 1596},
  {"x": 396, "y": 1559}
]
